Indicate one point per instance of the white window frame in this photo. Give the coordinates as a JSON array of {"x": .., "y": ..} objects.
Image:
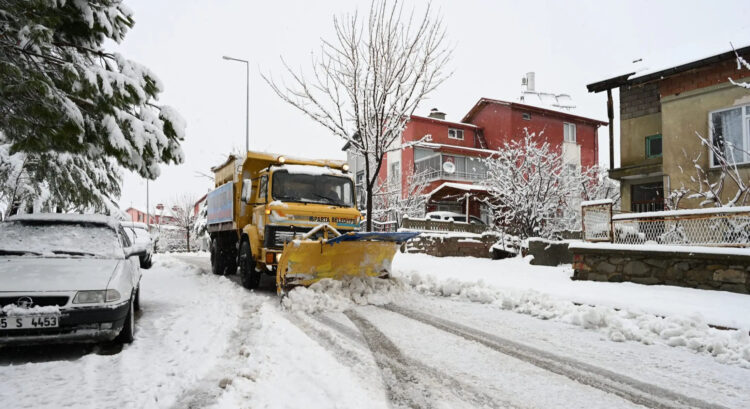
[
  {"x": 745, "y": 118},
  {"x": 456, "y": 132},
  {"x": 567, "y": 128}
]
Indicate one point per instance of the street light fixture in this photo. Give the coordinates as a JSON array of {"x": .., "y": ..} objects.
[{"x": 247, "y": 100}]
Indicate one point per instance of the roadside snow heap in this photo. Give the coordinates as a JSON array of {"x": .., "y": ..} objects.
[
  {"x": 339, "y": 295},
  {"x": 727, "y": 346}
]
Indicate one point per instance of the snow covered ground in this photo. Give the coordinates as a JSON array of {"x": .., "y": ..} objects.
[{"x": 432, "y": 337}]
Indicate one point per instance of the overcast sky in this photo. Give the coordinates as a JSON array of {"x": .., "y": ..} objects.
[{"x": 567, "y": 44}]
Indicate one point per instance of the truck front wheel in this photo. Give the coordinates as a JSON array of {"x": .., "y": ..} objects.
[{"x": 249, "y": 276}]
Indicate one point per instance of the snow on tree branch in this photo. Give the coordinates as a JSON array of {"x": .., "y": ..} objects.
[{"x": 65, "y": 96}]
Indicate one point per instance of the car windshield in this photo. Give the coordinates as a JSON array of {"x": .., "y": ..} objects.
[
  {"x": 55, "y": 239},
  {"x": 307, "y": 188}
]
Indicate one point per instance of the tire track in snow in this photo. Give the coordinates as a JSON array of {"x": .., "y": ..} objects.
[
  {"x": 625, "y": 387},
  {"x": 410, "y": 383}
]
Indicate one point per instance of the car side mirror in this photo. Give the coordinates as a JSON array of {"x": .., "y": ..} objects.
[
  {"x": 135, "y": 250},
  {"x": 247, "y": 191}
]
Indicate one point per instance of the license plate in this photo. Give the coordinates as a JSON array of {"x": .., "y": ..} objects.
[{"x": 30, "y": 322}]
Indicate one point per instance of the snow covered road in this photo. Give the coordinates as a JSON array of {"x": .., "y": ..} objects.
[{"x": 203, "y": 341}]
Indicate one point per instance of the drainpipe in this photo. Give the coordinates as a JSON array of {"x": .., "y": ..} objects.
[{"x": 611, "y": 117}]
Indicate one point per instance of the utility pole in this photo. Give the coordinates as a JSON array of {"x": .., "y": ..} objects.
[
  {"x": 247, "y": 99},
  {"x": 148, "y": 224}
]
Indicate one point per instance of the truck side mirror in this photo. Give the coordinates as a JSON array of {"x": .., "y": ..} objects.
[{"x": 247, "y": 190}]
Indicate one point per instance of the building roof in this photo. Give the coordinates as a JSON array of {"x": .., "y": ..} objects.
[
  {"x": 647, "y": 75},
  {"x": 465, "y": 187},
  {"x": 444, "y": 122},
  {"x": 529, "y": 107},
  {"x": 455, "y": 149}
]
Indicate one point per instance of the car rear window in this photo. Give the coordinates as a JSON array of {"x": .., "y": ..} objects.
[{"x": 59, "y": 239}]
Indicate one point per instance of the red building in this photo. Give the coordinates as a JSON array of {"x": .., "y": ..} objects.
[
  {"x": 155, "y": 218},
  {"x": 452, "y": 158}
]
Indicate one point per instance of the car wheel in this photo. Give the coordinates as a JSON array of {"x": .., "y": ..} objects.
[
  {"x": 248, "y": 275},
  {"x": 137, "y": 299},
  {"x": 128, "y": 328},
  {"x": 217, "y": 261}
]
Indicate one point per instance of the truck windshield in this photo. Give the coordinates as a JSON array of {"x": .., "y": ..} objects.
[{"x": 308, "y": 188}]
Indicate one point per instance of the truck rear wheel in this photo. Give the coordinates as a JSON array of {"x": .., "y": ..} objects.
[
  {"x": 217, "y": 261},
  {"x": 249, "y": 276}
]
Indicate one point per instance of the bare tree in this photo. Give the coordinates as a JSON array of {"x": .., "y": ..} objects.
[
  {"x": 393, "y": 199},
  {"x": 367, "y": 82},
  {"x": 183, "y": 209}
]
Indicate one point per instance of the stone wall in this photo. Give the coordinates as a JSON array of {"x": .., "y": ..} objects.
[
  {"x": 453, "y": 245},
  {"x": 549, "y": 253},
  {"x": 696, "y": 270}
]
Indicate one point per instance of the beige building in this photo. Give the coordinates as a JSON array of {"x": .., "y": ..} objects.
[{"x": 661, "y": 115}]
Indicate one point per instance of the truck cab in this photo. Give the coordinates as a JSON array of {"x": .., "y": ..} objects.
[{"x": 264, "y": 200}]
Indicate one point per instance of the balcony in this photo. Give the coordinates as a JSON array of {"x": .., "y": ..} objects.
[{"x": 466, "y": 168}]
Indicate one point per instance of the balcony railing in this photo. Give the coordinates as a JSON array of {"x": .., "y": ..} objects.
[{"x": 437, "y": 174}]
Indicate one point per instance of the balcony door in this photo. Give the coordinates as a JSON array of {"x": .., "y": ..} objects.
[{"x": 647, "y": 197}]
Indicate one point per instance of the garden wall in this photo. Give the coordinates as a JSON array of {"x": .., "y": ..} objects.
[
  {"x": 453, "y": 244},
  {"x": 706, "y": 268}
]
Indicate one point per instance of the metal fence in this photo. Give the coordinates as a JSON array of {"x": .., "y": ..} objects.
[
  {"x": 724, "y": 227},
  {"x": 597, "y": 220},
  {"x": 714, "y": 228},
  {"x": 441, "y": 226}
]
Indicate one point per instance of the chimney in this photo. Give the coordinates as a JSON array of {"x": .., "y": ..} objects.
[
  {"x": 435, "y": 113},
  {"x": 530, "y": 82}
]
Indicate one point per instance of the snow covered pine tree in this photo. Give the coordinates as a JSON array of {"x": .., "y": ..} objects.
[{"x": 71, "y": 113}]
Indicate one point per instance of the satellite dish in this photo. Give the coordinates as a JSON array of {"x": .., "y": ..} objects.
[{"x": 449, "y": 167}]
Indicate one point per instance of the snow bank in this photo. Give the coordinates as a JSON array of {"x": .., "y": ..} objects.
[
  {"x": 339, "y": 295},
  {"x": 692, "y": 332},
  {"x": 187, "y": 319}
]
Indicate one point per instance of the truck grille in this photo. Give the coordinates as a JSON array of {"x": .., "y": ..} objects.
[{"x": 276, "y": 236}]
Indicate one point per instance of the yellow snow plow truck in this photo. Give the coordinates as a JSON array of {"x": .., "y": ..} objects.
[{"x": 293, "y": 218}]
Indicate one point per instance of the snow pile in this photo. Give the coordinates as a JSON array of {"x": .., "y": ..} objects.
[
  {"x": 731, "y": 347},
  {"x": 339, "y": 295}
]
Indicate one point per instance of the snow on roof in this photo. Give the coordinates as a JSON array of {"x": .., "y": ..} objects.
[
  {"x": 683, "y": 212},
  {"x": 665, "y": 64},
  {"x": 459, "y": 186},
  {"x": 310, "y": 170},
  {"x": 596, "y": 202},
  {"x": 67, "y": 218},
  {"x": 434, "y": 145},
  {"x": 678, "y": 55},
  {"x": 462, "y": 124},
  {"x": 530, "y": 104}
]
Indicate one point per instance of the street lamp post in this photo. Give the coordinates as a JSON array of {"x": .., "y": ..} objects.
[{"x": 247, "y": 100}]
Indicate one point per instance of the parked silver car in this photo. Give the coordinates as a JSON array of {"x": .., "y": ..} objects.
[
  {"x": 67, "y": 277},
  {"x": 138, "y": 234}
]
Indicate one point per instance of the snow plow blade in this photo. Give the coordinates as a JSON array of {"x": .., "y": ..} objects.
[{"x": 304, "y": 262}]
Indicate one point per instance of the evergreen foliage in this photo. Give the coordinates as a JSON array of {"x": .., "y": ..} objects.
[{"x": 71, "y": 113}]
